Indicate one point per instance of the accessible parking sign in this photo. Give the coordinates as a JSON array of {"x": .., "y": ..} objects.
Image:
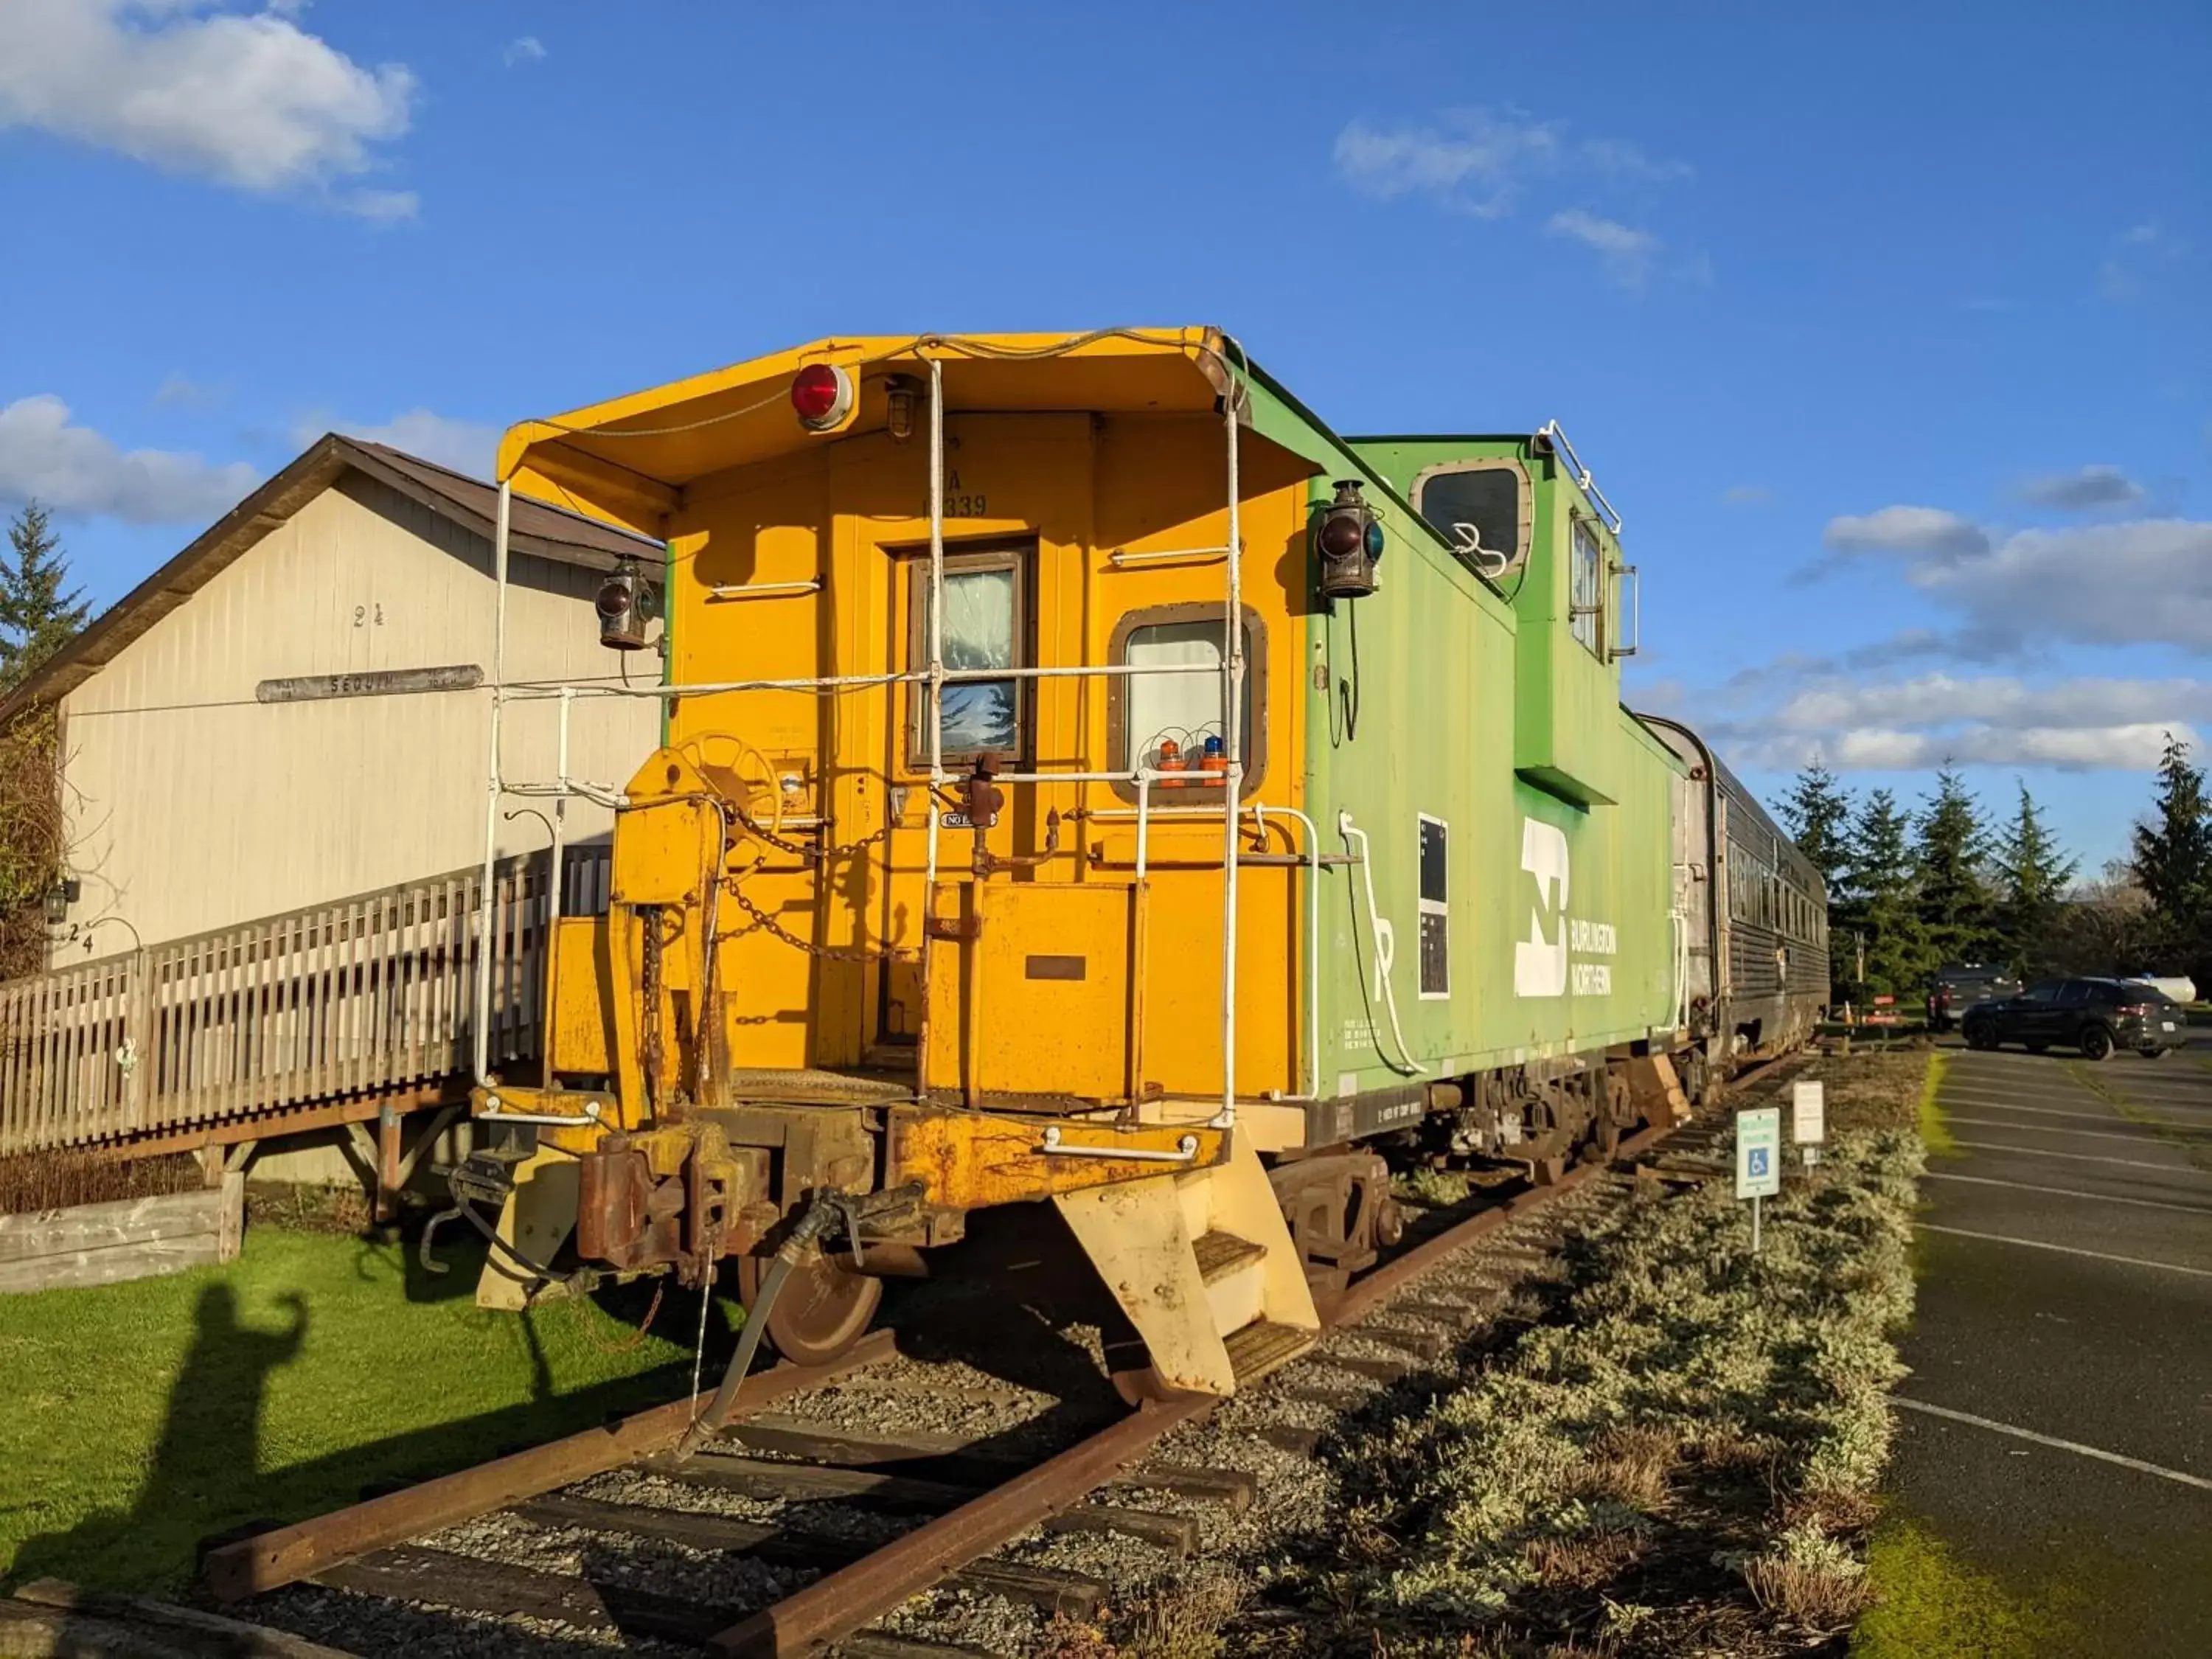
[{"x": 1759, "y": 1153}]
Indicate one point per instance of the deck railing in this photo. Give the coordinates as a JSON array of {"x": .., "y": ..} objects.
[{"x": 357, "y": 996}]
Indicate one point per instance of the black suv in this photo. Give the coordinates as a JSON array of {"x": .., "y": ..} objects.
[
  {"x": 1959, "y": 986},
  {"x": 2093, "y": 1015}
]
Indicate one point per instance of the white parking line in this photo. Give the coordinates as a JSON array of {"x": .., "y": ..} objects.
[
  {"x": 2068, "y": 1192},
  {"x": 2074, "y": 1446},
  {"x": 1994, "y": 1097},
  {"x": 2041, "y": 1111},
  {"x": 2147, "y": 1136},
  {"x": 2063, "y": 1249},
  {"x": 2081, "y": 1157}
]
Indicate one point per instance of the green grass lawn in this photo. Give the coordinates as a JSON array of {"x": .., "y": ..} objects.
[{"x": 315, "y": 1369}]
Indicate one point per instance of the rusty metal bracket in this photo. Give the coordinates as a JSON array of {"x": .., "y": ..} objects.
[{"x": 966, "y": 928}]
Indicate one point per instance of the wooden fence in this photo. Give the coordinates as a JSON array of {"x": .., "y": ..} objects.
[{"x": 359, "y": 995}]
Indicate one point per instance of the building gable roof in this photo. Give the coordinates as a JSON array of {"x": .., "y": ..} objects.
[{"x": 533, "y": 527}]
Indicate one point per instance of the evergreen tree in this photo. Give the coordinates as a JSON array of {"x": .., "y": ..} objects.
[
  {"x": 1818, "y": 812},
  {"x": 2033, "y": 873},
  {"x": 1883, "y": 908},
  {"x": 2174, "y": 861},
  {"x": 37, "y": 617},
  {"x": 1950, "y": 856}
]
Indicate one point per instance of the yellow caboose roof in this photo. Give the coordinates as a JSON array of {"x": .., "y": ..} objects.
[{"x": 628, "y": 459}]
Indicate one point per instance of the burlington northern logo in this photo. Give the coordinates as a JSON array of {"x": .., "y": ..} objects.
[
  {"x": 1539, "y": 962},
  {"x": 1543, "y": 962}
]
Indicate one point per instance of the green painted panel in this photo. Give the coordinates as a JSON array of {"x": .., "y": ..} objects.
[{"x": 1554, "y": 920}]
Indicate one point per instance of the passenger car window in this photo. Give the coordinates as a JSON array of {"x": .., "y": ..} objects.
[
  {"x": 2075, "y": 995},
  {"x": 2044, "y": 990}
]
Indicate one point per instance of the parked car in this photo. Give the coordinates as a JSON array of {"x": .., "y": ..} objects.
[
  {"x": 1959, "y": 986},
  {"x": 2093, "y": 1015},
  {"x": 2180, "y": 987}
]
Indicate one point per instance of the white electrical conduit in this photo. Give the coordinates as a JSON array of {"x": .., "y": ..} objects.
[{"x": 1408, "y": 1066}]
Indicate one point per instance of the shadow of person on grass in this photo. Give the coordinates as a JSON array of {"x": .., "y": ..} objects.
[{"x": 208, "y": 1449}]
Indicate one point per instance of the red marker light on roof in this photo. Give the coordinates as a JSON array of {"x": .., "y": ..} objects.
[{"x": 823, "y": 395}]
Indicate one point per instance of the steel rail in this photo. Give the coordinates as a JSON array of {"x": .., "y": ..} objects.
[
  {"x": 270, "y": 1560},
  {"x": 839, "y": 1603}
]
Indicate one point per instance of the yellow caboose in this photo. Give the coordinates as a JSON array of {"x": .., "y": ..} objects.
[{"x": 951, "y": 886}]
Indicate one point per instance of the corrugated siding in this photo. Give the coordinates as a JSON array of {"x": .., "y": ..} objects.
[{"x": 194, "y": 807}]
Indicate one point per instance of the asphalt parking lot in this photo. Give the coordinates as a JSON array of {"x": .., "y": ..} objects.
[{"x": 2055, "y": 1435}]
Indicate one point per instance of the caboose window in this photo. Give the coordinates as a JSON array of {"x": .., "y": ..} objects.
[
  {"x": 1585, "y": 584},
  {"x": 985, "y": 611},
  {"x": 1148, "y": 711},
  {"x": 1481, "y": 509}
]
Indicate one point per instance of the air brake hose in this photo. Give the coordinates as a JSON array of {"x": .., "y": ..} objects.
[
  {"x": 824, "y": 1211},
  {"x": 818, "y": 1217}
]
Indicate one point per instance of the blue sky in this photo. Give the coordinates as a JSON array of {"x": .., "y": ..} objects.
[{"x": 1884, "y": 326}]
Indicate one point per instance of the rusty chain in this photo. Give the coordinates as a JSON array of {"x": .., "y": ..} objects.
[
  {"x": 818, "y": 853},
  {"x": 770, "y": 925}
]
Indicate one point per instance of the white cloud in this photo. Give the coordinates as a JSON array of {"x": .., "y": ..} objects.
[
  {"x": 2142, "y": 582},
  {"x": 73, "y": 469},
  {"x": 1796, "y": 709},
  {"x": 1909, "y": 530},
  {"x": 1746, "y": 494},
  {"x": 1475, "y": 162},
  {"x": 2082, "y": 490},
  {"x": 181, "y": 391},
  {"x": 2084, "y": 749},
  {"x": 2137, "y": 253},
  {"x": 464, "y": 445},
  {"x": 253, "y": 101},
  {"x": 1623, "y": 160},
  {"x": 524, "y": 49},
  {"x": 1627, "y": 253}
]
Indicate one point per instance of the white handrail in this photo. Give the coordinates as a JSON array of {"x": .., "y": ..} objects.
[
  {"x": 481, "y": 1064},
  {"x": 1313, "y": 954}
]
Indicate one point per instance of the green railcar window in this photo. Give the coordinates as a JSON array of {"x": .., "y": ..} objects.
[
  {"x": 1586, "y": 586},
  {"x": 1482, "y": 509}
]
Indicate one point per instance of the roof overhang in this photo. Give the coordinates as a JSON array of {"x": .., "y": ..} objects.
[
  {"x": 465, "y": 501},
  {"x": 629, "y": 459}
]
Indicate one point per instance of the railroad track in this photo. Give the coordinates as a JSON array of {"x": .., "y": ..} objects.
[{"x": 809, "y": 1525}]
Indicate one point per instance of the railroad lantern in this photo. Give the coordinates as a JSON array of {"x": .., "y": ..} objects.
[
  {"x": 1348, "y": 543},
  {"x": 625, "y": 604}
]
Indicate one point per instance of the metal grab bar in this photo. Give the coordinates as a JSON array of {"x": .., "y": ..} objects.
[{"x": 1186, "y": 1149}]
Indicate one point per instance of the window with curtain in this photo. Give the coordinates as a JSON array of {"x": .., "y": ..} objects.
[{"x": 983, "y": 629}]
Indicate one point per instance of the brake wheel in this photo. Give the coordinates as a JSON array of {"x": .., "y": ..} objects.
[{"x": 822, "y": 1310}]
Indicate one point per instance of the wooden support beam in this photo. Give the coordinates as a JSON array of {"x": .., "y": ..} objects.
[
  {"x": 427, "y": 1141},
  {"x": 384, "y": 1200}
]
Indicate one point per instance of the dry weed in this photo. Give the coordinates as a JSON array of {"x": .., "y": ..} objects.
[
  {"x": 1830, "y": 1511},
  {"x": 1815, "y": 1595},
  {"x": 1583, "y": 1560},
  {"x": 307, "y": 1209},
  {"x": 34, "y": 1182},
  {"x": 1631, "y": 1465},
  {"x": 1183, "y": 1619}
]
